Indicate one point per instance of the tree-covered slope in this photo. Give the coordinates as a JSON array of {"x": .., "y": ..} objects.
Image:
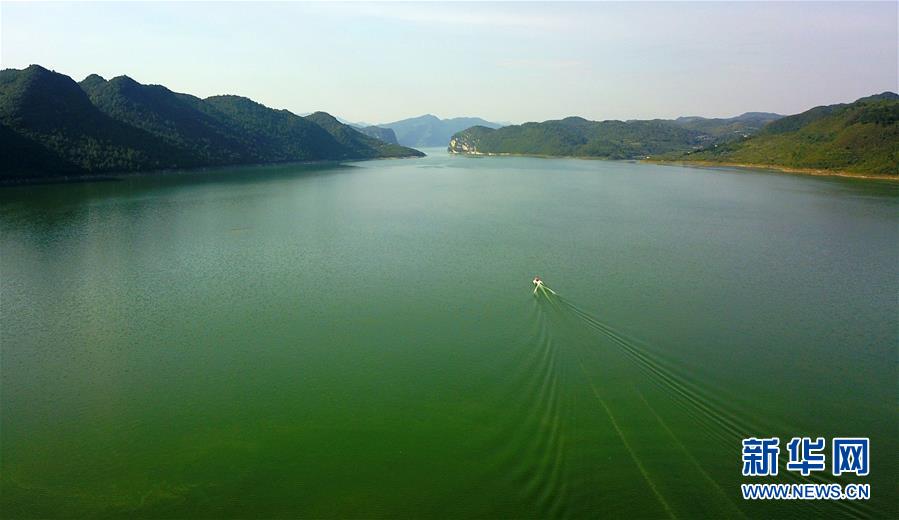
[
  {"x": 22, "y": 157},
  {"x": 578, "y": 137},
  {"x": 279, "y": 135},
  {"x": 60, "y": 128},
  {"x": 178, "y": 119},
  {"x": 234, "y": 129},
  {"x": 429, "y": 130},
  {"x": 859, "y": 137},
  {"x": 52, "y": 113}
]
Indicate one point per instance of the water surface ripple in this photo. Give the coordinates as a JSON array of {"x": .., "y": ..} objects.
[{"x": 361, "y": 340}]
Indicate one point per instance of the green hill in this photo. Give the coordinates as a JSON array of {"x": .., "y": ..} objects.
[
  {"x": 177, "y": 119},
  {"x": 277, "y": 134},
  {"x": 578, "y": 137},
  {"x": 49, "y": 114},
  {"x": 860, "y": 137},
  {"x": 99, "y": 126}
]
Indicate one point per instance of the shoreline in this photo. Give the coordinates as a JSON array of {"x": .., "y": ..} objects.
[
  {"x": 119, "y": 176},
  {"x": 537, "y": 156},
  {"x": 816, "y": 172}
]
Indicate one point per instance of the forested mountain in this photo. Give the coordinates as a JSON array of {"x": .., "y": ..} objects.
[
  {"x": 58, "y": 128},
  {"x": 578, "y": 137},
  {"x": 429, "y": 130},
  {"x": 859, "y": 137},
  {"x": 49, "y": 115}
]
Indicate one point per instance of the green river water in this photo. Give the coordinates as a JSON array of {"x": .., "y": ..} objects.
[{"x": 362, "y": 340}]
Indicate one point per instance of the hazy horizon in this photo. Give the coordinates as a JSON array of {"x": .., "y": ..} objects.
[{"x": 503, "y": 62}]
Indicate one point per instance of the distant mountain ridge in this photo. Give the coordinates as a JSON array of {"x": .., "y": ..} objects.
[
  {"x": 725, "y": 129},
  {"x": 745, "y": 116},
  {"x": 385, "y": 134},
  {"x": 51, "y": 126},
  {"x": 430, "y": 130}
]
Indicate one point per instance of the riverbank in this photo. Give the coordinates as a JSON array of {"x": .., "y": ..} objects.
[
  {"x": 700, "y": 164},
  {"x": 782, "y": 169},
  {"x": 116, "y": 176}
]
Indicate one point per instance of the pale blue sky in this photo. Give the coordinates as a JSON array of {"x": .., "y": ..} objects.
[{"x": 501, "y": 61}]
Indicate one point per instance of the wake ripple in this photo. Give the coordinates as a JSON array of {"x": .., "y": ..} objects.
[{"x": 702, "y": 404}]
